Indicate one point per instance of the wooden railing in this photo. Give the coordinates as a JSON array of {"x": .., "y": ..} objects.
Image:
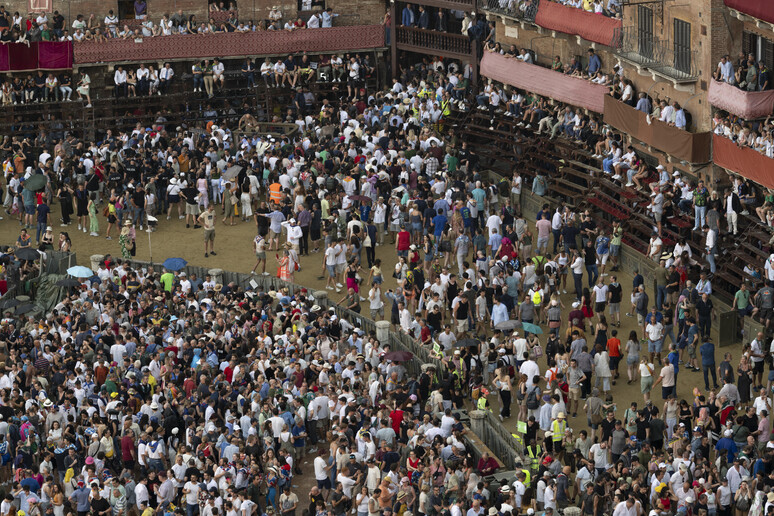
[{"x": 440, "y": 42}]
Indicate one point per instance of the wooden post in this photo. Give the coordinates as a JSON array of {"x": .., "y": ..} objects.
[{"x": 393, "y": 44}]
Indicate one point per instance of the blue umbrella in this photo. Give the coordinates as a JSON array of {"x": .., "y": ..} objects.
[
  {"x": 79, "y": 271},
  {"x": 174, "y": 264},
  {"x": 531, "y": 328}
]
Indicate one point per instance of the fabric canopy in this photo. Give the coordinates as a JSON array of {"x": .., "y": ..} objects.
[
  {"x": 747, "y": 104},
  {"x": 543, "y": 81},
  {"x": 38, "y": 55},
  {"x": 570, "y": 20},
  {"x": 761, "y": 9},
  {"x": 684, "y": 145},
  {"x": 227, "y": 44},
  {"x": 744, "y": 161}
]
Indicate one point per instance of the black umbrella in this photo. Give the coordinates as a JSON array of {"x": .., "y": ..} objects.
[
  {"x": 23, "y": 309},
  {"x": 68, "y": 282},
  {"x": 507, "y": 325},
  {"x": 466, "y": 343},
  {"x": 9, "y": 303},
  {"x": 27, "y": 253}
]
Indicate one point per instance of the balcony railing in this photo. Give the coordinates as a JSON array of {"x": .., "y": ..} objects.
[
  {"x": 577, "y": 22},
  {"x": 412, "y": 38},
  {"x": 660, "y": 56},
  {"x": 544, "y": 81},
  {"x": 522, "y": 10},
  {"x": 744, "y": 161},
  {"x": 743, "y": 103},
  {"x": 231, "y": 44},
  {"x": 678, "y": 143}
]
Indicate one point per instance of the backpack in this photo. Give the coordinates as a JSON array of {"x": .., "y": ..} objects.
[
  {"x": 504, "y": 187},
  {"x": 532, "y": 398}
]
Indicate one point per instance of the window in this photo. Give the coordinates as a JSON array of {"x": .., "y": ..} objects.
[
  {"x": 761, "y": 48},
  {"x": 682, "y": 45},
  {"x": 645, "y": 31}
]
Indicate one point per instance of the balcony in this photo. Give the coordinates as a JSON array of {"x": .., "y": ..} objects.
[
  {"x": 45, "y": 55},
  {"x": 441, "y": 43},
  {"x": 743, "y": 160},
  {"x": 230, "y": 44},
  {"x": 676, "y": 143},
  {"x": 659, "y": 57},
  {"x": 569, "y": 20},
  {"x": 761, "y": 10},
  {"x": 521, "y": 11},
  {"x": 544, "y": 81},
  {"x": 743, "y": 103}
]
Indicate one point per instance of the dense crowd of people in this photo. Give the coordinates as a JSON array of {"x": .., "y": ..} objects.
[{"x": 152, "y": 391}]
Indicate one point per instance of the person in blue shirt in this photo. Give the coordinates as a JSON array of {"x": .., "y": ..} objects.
[
  {"x": 707, "y": 351},
  {"x": 728, "y": 445},
  {"x": 439, "y": 223},
  {"x": 603, "y": 252},
  {"x": 595, "y": 64},
  {"x": 407, "y": 16},
  {"x": 494, "y": 243}
]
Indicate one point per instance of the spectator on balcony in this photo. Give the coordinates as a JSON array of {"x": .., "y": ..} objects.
[
  {"x": 764, "y": 77},
  {"x": 165, "y": 77},
  {"x": 440, "y": 20},
  {"x": 119, "y": 79},
  {"x": 65, "y": 87},
  {"x": 573, "y": 67},
  {"x": 643, "y": 104},
  {"x": 327, "y": 18},
  {"x": 178, "y": 19},
  {"x": 218, "y": 74},
  {"x": 191, "y": 27},
  {"x": 197, "y": 71},
  {"x": 79, "y": 23},
  {"x": 750, "y": 82},
  {"x": 613, "y": 8},
  {"x": 52, "y": 88},
  {"x": 248, "y": 72},
  {"x": 143, "y": 83},
  {"x": 338, "y": 67},
  {"x": 725, "y": 70},
  {"x": 423, "y": 22},
  {"x": 407, "y": 18},
  {"x": 140, "y": 9},
  {"x": 149, "y": 28},
  {"x": 667, "y": 113},
  {"x": 313, "y": 22},
  {"x": 207, "y": 78},
  {"x": 525, "y": 56},
  {"x": 594, "y": 63},
  {"x": 467, "y": 23},
  {"x": 84, "y": 86},
  {"x": 267, "y": 73},
  {"x": 324, "y": 68},
  {"x": 679, "y": 120}
]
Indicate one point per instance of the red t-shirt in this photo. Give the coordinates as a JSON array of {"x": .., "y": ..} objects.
[
  {"x": 396, "y": 416},
  {"x": 614, "y": 347},
  {"x": 404, "y": 240},
  {"x": 127, "y": 447}
]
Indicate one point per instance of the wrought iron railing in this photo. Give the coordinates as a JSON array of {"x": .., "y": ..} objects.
[
  {"x": 518, "y": 9},
  {"x": 661, "y": 56},
  {"x": 433, "y": 40}
]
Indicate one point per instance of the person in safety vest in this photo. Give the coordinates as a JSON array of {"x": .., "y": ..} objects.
[{"x": 558, "y": 427}]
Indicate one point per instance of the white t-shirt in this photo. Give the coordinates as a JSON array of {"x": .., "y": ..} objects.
[
  {"x": 319, "y": 468},
  {"x": 192, "y": 497}
]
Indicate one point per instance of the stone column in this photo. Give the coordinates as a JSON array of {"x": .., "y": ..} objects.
[
  {"x": 383, "y": 331},
  {"x": 96, "y": 260},
  {"x": 216, "y": 275},
  {"x": 320, "y": 297},
  {"x": 477, "y": 418}
]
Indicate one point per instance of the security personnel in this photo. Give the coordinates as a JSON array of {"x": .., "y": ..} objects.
[
  {"x": 534, "y": 452},
  {"x": 558, "y": 427},
  {"x": 275, "y": 193}
]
